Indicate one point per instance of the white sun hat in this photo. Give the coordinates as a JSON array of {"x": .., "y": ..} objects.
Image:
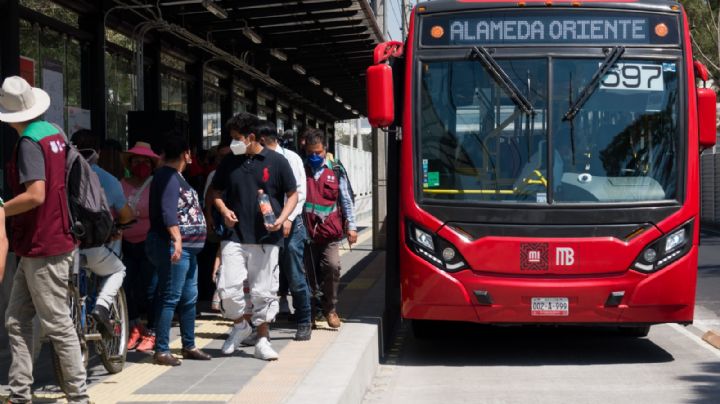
[{"x": 20, "y": 102}]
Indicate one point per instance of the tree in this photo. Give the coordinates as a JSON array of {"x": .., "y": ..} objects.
[{"x": 704, "y": 17}]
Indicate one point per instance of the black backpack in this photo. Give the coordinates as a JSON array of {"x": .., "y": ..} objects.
[{"x": 91, "y": 222}]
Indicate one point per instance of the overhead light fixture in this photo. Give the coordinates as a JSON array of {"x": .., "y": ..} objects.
[
  {"x": 338, "y": 99},
  {"x": 299, "y": 69},
  {"x": 314, "y": 80},
  {"x": 327, "y": 91},
  {"x": 216, "y": 10},
  {"x": 278, "y": 54},
  {"x": 251, "y": 35},
  {"x": 348, "y": 107},
  {"x": 355, "y": 111}
]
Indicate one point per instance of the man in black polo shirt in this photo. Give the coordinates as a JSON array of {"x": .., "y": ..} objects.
[{"x": 251, "y": 248}]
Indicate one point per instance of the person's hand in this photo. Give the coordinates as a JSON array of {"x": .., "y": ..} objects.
[
  {"x": 230, "y": 218},
  {"x": 275, "y": 226},
  {"x": 287, "y": 228},
  {"x": 352, "y": 236},
  {"x": 177, "y": 253},
  {"x": 214, "y": 275}
]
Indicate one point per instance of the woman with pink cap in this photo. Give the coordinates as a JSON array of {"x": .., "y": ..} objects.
[{"x": 141, "y": 278}]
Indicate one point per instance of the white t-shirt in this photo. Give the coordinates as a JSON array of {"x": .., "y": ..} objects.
[{"x": 298, "y": 169}]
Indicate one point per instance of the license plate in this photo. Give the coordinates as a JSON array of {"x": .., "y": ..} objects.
[{"x": 549, "y": 306}]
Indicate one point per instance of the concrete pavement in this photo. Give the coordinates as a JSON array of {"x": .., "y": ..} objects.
[{"x": 240, "y": 377}]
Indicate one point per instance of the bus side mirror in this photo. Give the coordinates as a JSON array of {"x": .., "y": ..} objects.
[
  {"x": 707, "y": 115},
  {"x": 380, "y": 97}
]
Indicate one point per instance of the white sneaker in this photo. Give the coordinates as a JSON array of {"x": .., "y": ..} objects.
[
  {"x": 238, "y": 332},
  {"x": 251, "y": 340},
  {"x": 284, "y": 306},
  {"x": 264, "y": 351}
]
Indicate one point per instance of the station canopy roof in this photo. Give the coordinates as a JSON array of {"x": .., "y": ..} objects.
[{"x": 313, "y": 50}]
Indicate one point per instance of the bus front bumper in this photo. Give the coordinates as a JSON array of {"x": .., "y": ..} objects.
[{"x": 666, "y": 296}]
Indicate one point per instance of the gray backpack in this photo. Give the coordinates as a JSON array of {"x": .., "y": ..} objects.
[{"x": 91, "y": 222}]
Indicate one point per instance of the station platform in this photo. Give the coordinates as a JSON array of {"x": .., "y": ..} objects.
[{"x": 328, "y": 368}]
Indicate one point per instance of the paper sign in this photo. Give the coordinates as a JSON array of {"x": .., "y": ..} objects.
[
  {"x": 27, "y": 70},
  {"x": 433, "y": 179},
  {"x": 52, "y": 83},
  {"x": 78, "y": 118}
]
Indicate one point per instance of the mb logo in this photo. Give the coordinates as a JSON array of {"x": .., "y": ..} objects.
[{"x": 564, "y": 256}]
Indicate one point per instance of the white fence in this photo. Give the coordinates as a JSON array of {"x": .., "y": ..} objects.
[{"x": 358, "y": 163}]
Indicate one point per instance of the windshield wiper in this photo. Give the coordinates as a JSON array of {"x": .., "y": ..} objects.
[
  {"x": 589, "y": 89},
  {"x": 481, "y": 54}
]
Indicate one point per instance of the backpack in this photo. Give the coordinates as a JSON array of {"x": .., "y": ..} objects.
[
  {"x": 91, "y": 222},
  {"x": 341, "y": 172}
]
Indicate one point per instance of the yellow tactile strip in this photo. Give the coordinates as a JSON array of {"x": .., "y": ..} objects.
[
  {"x": 277, "y": 380},
  {"x": 162, "y": 398},
  {"x": 121, "y": 386}
]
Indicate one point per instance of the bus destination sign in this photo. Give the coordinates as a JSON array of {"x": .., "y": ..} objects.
[{"x": 503, "y": 28}]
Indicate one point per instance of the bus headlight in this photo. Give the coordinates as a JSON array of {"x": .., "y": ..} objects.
[
  {"x": 424, "y": 239},
  {"x": 675, "y": 240},
  {"x": 434, "y": 249},
  {"x": 667, "y": 249}
]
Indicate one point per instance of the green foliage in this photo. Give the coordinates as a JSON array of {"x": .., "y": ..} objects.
[{"x": 704, "y": 20}]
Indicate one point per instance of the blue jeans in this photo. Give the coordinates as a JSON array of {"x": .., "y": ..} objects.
[
  {"x": 291, "y": 265},
  {"x": 177, "y": 289}
]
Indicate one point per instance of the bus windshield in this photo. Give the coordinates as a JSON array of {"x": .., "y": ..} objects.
[{"x": 475, "y": 143}]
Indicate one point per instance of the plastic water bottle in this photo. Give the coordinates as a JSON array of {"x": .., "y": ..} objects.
[{"x": 266, "y": 208}]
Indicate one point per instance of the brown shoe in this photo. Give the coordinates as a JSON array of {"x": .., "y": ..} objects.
[
  {"x": 195, "y": 354},
  {"x": 166, "y": 359},
  {"x": 333, "y": 320}
]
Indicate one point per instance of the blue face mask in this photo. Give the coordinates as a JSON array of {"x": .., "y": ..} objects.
[{"x": 315, "y": 160}]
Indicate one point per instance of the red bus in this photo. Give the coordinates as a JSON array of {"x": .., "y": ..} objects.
[{"x": 549, "y": 161}]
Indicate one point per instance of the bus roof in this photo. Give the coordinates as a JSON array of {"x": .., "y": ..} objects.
[{"x": 460, "y": 5}]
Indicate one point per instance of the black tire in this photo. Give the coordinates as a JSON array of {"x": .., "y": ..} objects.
[
  {"x": 75, "y": 312},
  {"x": 424, "y": 329},
  {"x": 113, "y": 351},
  {"x": 635, "y": 331}
]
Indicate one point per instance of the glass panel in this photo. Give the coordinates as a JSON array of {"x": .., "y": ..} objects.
[
  {"x": 211, "y": 118},
  {"x": 30, "y": 45},
  {"x": 475, "y": 143},
  {"x": 172, "y": 62},
  {"x": 53, "y": 10},
  {"x": 623, "y": 144},
  {"x": 121, "y": 82},
  {"x": 45, "y": 46},
  {"x": 173, "y": 93},
  {"x": 118, "y": 39},
  {"x": 72, "y": 74},
  {"x": 239, "y": 106}
]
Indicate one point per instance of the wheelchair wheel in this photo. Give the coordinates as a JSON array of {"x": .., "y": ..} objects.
[{"x": 114, "y": 350}]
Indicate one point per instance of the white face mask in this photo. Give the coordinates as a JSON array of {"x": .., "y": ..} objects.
[{"x": 238, "y": 147}]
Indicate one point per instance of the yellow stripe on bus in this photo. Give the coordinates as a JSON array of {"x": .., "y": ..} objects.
[{"x": 469, "y": 191}]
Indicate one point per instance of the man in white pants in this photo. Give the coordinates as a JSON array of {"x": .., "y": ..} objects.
[
  {"x": 104, "y": 260},
  {"x": 251, "y": 248}
]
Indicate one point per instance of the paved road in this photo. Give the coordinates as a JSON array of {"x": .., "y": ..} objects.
[{"x": 472, "y": 364}]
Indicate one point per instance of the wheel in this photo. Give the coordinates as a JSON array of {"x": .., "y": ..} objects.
[
  {"x": 76, "y": 314},
  {"x": 424, "y": 329},
  {"x": 635, "y": 331},
  {"x": 114, "y": 350}
]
